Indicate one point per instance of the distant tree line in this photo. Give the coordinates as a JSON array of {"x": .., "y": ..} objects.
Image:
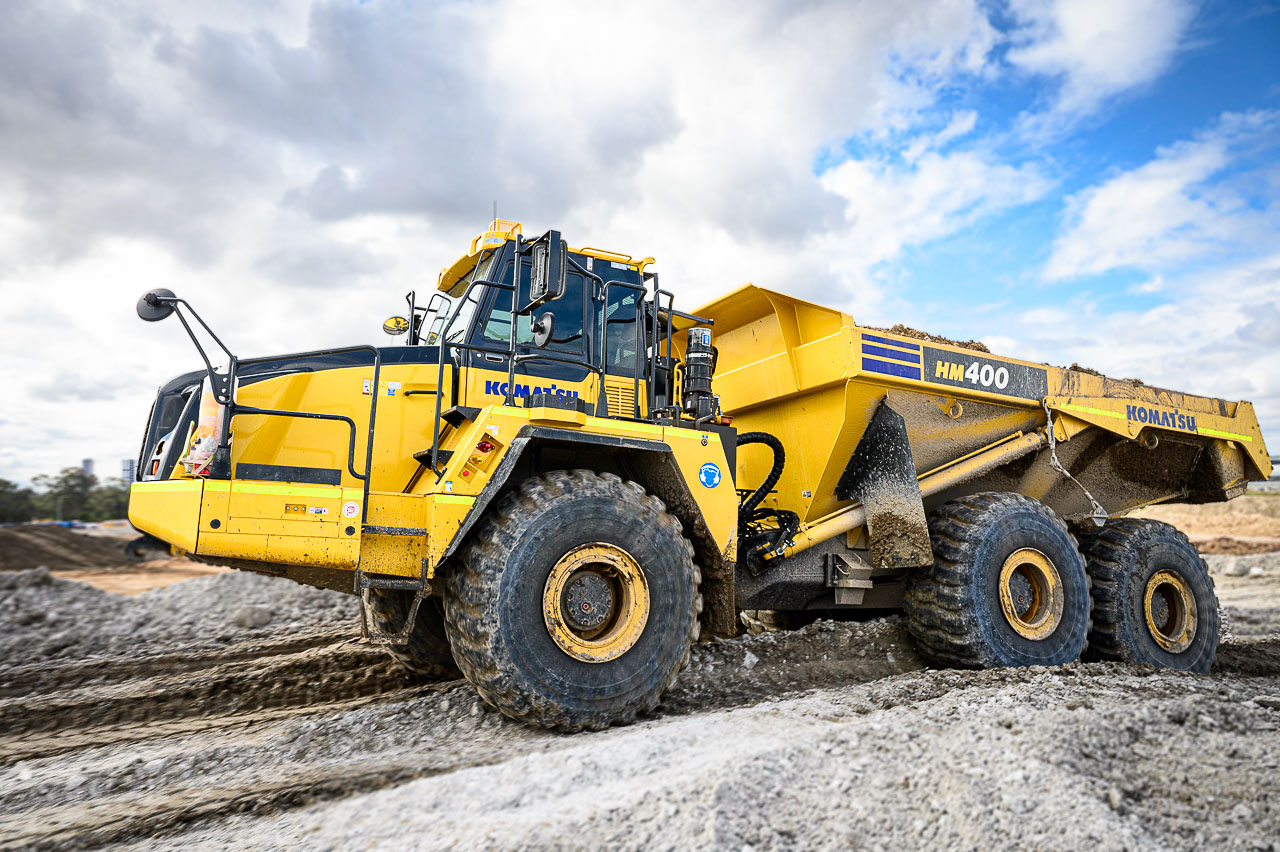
[{"x": 71, "y": 495}]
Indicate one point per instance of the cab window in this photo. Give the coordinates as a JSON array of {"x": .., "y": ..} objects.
[
  {"x": 620, "y": 350},
  {"x": 568, "y": 334}
]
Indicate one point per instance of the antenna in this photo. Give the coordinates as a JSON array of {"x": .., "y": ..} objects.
[{"x": 495, "y": 209}]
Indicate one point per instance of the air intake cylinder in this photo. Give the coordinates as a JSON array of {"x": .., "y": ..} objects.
[{"x": 699, "y": 359}]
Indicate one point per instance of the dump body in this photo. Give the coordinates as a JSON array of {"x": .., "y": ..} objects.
[{"x": 812, "y": 377}]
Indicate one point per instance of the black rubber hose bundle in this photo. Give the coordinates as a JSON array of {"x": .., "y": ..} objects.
[{"x": 775, "y": 473}]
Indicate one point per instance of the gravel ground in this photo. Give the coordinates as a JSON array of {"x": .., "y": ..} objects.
[
  {"x": 1082, "y": 757},
  {"x": 184, "y": 719},
  {"x": 47, "y": 618}
]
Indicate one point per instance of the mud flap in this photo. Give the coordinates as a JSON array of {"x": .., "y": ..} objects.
[{"x": 881, "y": 474}]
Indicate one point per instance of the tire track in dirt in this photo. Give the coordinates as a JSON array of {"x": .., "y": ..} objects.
[
  {"x": 444, "y": 728},
  {"x": 462, "y": 739},
  {"x": 96, "y": 714},
  {"x": 58, "y": 675}
]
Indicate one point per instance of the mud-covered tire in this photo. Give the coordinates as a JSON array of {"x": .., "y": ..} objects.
[
  {"x": 427, "y": 652},
  {"x": 493, "y": 602},
  {"x": 953, "y": 607},
  {"x": 1122, "y": 559}
]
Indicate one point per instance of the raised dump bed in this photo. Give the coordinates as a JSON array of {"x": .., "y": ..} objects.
[
  {"x": 888, "y": 437},
  {"x": 812, "y": 377}
]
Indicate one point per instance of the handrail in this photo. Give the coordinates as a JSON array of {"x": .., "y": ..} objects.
[
  {"x": 351, "y": 425},
  {"x": 604, "y": 254},
  {"x": 235, "y": 409}
]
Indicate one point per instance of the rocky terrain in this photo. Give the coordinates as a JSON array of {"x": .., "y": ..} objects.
[{"x": 237, "y": 711}]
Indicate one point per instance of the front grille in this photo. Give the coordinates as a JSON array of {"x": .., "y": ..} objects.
[{"x": 622, "y": 400}]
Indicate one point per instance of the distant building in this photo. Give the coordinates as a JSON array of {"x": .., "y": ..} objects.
[
  {"x": 87, "y": 467},
  {"x": 127, "y": 469}
]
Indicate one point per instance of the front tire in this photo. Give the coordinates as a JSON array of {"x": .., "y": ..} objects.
[
  {"x": 575, "y": 603},
  {"x": 1153, "y": 598},
  {"x": 1007, "y": 586}
]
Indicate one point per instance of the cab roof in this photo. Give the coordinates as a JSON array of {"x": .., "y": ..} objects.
[{"x": 501, "y": 231}]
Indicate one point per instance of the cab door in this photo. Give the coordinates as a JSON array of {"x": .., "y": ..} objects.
[
  {"x": 486, "y": 379},
  {"x": 623, "y": 339}
]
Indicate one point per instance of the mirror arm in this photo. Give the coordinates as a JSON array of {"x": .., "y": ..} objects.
[
  {"x": 220, "y": 384},
  {"x": 411, "y": 298}
]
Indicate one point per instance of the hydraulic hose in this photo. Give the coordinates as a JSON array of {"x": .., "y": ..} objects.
[{"x": 779, "y": 459}]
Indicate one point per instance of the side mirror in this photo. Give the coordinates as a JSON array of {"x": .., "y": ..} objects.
[
  {"x": 543, "y": 328},
  {"x": 550, "y": 268},
  {"x": 156, "y": 304},
  {"x": 396, "y": 325}
]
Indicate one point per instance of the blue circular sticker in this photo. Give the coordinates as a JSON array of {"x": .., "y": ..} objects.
[{"x": 709, "y": 475}]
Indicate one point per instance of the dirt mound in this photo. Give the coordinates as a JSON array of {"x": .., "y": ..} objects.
[
  {"x": 1247, "y": 517},
  {"x": 917, "y": 334},
  {"x": 1226, "y": 546},
  {"x": 32, "y": 545},
  {"x": 45, "y": 618}
]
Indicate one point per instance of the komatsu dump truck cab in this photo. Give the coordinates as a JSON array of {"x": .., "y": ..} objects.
[{"x": 562, "y": 480}]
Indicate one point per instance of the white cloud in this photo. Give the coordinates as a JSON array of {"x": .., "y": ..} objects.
[
  {"x": 1218, "y": 334},
  {"x": 889, "y": 208},
  {"x": 1170, "y": 210},
  {"x": 294, "y": 168},
  {"x": 960, "y": 125},
  {"x": 1097, "y": 48}
]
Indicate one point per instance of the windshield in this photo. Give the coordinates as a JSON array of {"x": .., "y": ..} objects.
[
  {"x": 429, "y": 324},
  {"x": 460, "y": 318}
]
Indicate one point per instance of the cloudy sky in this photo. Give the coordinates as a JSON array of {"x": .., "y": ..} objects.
[{"x": 1069, "y": 180}]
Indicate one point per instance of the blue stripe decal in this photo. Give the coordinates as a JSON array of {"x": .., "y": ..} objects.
[
  {"x": 881, "y": 352},
  {"x": 904, "y": 344},
  {"x": 890, "y": 369}
]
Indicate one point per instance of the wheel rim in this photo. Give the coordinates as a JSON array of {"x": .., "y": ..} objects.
[
  {"x": 1031, "y": 594},
  {"x": 1170, "y": 609},
  {"x": 596, "y": 602}
]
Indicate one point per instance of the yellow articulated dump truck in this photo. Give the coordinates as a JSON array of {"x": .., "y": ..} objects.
[{"x": 562, "y": 481}]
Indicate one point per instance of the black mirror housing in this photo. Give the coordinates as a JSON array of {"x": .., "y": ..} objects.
[
  {"x": 156, "y": 304},
  {"x": 543, "y": 328},
  {"x": 550, "y": 270}
]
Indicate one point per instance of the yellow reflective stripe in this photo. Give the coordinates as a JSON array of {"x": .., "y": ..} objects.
[
  {"x": 1101, "y": 412},
  {"x": 287, "y": 490},
  {"x": 1230, "y": 436},
  {"x": 219, "y": 485},
  {"x": 169, "y": 485},
  {"x": 453, "y": 498},
  {"x": 1203, "y": 430}
]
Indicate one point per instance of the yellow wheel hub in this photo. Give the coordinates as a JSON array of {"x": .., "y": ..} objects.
[
  {"x": 596, "y": 602},
  {"x": 1171, "y": 611},
  {"x": 1031, "y": 594}
]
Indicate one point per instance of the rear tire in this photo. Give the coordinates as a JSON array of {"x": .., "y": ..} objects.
[
  {"x": 427, "y": 652},
  {"x": 1153, "y": 598},
  {"x": 1007, "y": 586},
  {"x": 528, "y": 580}
]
